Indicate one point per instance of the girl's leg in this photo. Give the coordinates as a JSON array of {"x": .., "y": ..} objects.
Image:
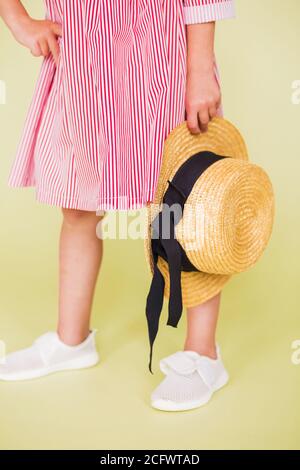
[
  {"x": 79, "y": 261},
  {"x": 181, "y": 390},
  {"x": 80, "y": 257},
  {"x": 201, "y": 328}
]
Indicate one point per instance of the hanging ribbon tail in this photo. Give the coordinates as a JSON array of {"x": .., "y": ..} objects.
[
  {"x": 175, "y": 298},
  {"x": 154, "y": 306},
  {"x": 173, "y": 251}
]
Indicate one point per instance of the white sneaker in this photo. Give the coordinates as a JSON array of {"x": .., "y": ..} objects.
[
  {"x": 49, "y": 354},
  {"x": 191, "y": 380}
]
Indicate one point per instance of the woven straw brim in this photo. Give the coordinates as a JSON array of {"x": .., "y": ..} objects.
[
  {"x": 228, "y": 217},
  {"x": 197, "y": 287},
  {"x": 221, "y": 138}
]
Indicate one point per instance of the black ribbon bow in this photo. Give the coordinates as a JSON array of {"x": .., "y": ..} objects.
[{"x": 165, "y": 245}]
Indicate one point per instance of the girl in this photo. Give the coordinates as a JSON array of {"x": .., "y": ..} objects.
[{"x": 116, "y": 78}]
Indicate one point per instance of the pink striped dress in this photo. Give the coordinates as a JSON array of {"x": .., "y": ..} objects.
[{"x": 95, "y": 128}]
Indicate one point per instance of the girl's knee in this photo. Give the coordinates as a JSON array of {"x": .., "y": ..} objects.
[{"x": 75, "y": 216}]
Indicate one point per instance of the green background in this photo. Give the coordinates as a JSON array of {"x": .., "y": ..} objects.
[{"x": 107, "y": 407}]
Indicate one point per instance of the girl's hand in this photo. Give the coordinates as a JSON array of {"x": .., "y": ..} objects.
[
  {"x": 203, "y": 98},
  {"x": 40, "y": 36}
]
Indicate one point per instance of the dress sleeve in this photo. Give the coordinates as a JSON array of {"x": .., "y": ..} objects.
[{"x": 203, "y": 11}]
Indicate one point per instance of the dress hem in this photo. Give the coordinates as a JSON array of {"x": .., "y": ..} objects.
[{"x": 89, "y": 205}]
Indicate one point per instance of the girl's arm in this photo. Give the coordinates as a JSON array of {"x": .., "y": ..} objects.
[
  {"x": 40, "y": 36},
  {"x": 203, "y": 95},
  {"x": 11, "y": 11}
]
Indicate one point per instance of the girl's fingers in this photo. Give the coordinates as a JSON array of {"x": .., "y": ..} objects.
[
  {"x": 198, "y": 118},
  {"x": 36, "y": 50},
  {"x": 44, "y": 47},
  {"x": 54, "y": 47},
  {"x": 192, "y": 122},
  {"x": 219, "y": 104},
  {"x": 57, "y": 29},
  {"x": 204, "y": 119},
  {"x": 213, "y": 111}
]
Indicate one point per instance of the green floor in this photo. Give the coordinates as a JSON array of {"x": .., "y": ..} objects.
[{"x": 108, "y": 405}]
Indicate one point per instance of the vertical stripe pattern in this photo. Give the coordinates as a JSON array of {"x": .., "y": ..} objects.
[{"x": 95, "y": 128}]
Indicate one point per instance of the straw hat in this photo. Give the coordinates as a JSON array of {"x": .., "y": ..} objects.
[{"x": 227, "y": 217}]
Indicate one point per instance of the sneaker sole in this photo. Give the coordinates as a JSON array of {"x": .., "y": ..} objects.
[
  {"x": 168, "y": 405},
  {"x": 83, "y": 363}
]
